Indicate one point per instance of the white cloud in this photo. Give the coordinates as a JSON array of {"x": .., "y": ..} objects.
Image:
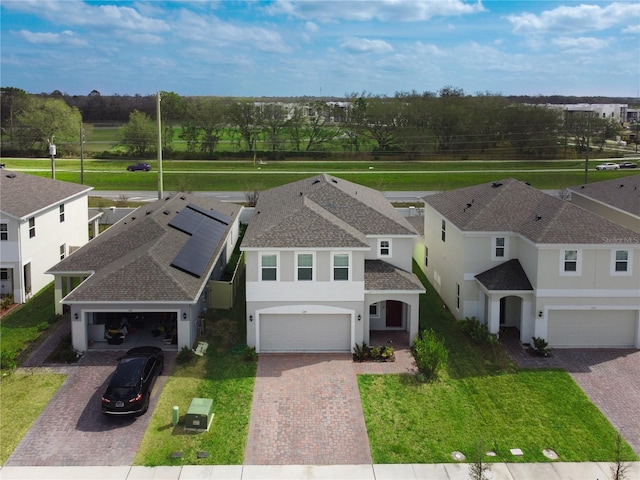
[
  {"x": 576, "y": 19},
  {"x": 382, "y": 10},
  {"x": 363, "y": 45},
  {"x": 583, "y": 44},
  {"x": 48, "y": 38},
  {"x": 311, "y": 27},
  {"x": 210, "y": 30}
]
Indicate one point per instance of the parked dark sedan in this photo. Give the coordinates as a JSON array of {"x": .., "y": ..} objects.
[
  {"x": 139, "y": 166},
  {"x": 627, "y": 164},
  {"x": 129, "y": 390}
]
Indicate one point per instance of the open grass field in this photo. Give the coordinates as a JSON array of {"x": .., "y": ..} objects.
[{"x": 244, "y": 175}]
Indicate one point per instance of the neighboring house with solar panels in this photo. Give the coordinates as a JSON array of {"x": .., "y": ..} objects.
[
  {"x": 327, "y": 262},
  {"x": 41, "y": 221},
  {"x": 513, "y": 256},
  {"x": 145, "y": 279}
]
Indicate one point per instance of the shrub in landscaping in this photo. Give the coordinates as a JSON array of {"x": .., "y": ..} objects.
[
  {"x": 250, "y": 354},
  {"x": 7, "y": 360},
  {"x": 365, "y": 353},
  {"x": 361, "y": 352},
  {"x": 478, "y": 332},
  {"x": 184, "y": 355},
  {"x": 541, "y": 347},
  {"x": 430, "y": 354}
]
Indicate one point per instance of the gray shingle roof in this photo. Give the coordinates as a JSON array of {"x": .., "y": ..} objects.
[
  {"x": 22, "y": 195},
  {"x": 512, "y": 206},
  {"x": 506, "y": 276},
  {"x": 132, "y": 259},
  {"x": 322, "y": 211},
  {"x": 380, "y": 275},
  {"x": 622, "y": 193}
]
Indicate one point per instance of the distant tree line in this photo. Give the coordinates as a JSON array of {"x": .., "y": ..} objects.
[{"x": 406, "y": 125}]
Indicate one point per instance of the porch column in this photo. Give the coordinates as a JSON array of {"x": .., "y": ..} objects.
[
  {"x": 57, "y": 294},
  {"x": 493, "y": 321},
  {"x": 414, "y": 320}
]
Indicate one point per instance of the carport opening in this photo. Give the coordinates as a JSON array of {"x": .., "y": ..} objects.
[{"x": 131, "y": 329}]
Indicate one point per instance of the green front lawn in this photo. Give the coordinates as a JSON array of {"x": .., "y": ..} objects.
[
  {"x": 481, "y": 398},
  {"x": 223, "y": 375}
]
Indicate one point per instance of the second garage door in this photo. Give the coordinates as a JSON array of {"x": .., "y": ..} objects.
[
  {"x": 305, "y": 333},
  {"x": 592, "y": 328}
]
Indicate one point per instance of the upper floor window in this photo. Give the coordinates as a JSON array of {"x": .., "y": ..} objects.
[
  {"x": 571, "y": 262},
  {"x": 458, "y": 296},
  {"x": 384, "y": 248},
  {"x": 341, "y": 266},
  {"x": 621, "y": 262},
  {"x": 62, "y": 213},
  {"x": 444, "y": 230},
  {"x": 305, "y": 266},
  {"x": 32, "y": 227},
  {"x": 373, "y": 310},
  {"x": 63, "y": 251},
  {"x": 499, "y": 247},
  {"x": 4, "y": 231},
  {"x": 426, "y": 256},
  {"x": 269, "y": 267}
]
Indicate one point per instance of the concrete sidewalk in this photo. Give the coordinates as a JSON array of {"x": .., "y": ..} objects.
[{"x": 449, "y": 471}]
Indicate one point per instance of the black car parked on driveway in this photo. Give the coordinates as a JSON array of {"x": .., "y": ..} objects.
[{"x": 129, "y": 390}]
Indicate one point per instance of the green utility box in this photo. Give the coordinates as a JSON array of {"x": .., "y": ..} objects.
[{"x": 199, "y": 416}]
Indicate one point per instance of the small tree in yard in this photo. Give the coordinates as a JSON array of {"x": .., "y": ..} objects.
[
  {"x": 619, "y": 469},
  {"x": 478, "y": 469},
  {"x": 430, "y": 353}
]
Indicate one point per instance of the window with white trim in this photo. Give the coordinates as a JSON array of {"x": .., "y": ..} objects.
[
  {"x": 621, "y": 262},
  {"x": 269, "y": 267},
  {"x": 384, "y": 248},
  {"x": 61, "y": 212},
  {"x": 570, "y": 262},
  {"x": 305, "y": 266},
  {"x": 373, "y": 310},
  {"x": 32, "y": 227},
  {"x": 458, "y": 296},
  {"x": 4, "y": 231},
  {"x": 426, "y": 256},
  {"x": 63, "y": 251},
  {"x": 341, "y": 266},
  {"x": 444, "y": 230},
  {"x": 499, "y": 247}
]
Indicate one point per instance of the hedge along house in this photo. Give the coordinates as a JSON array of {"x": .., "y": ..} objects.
[
  {"x": 149, "y": 271},
  {"x": 327, "y": 262}
]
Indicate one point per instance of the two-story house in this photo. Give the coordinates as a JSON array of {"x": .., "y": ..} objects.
[
  {"x": 41, "y": 222},
  {"x": 513, "y": 256},
  {"x": 327, "y": 261}
]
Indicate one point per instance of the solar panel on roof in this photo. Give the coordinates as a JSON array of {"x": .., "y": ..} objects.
[
  {"x": 220, "y": 217},
  {"x": 206, "y": 232}
]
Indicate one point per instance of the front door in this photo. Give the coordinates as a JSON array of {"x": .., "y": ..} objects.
[{"x": 394, "y": 314}]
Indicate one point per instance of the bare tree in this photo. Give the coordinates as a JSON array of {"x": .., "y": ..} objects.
[{"x": 619, "y": 468}]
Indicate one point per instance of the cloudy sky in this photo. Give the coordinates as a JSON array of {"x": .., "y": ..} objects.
[{"x": 321, "y": 47}]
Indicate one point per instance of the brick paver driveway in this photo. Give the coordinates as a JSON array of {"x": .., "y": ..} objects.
[
  {"x": 72, "y": 431},
  {"x": 306, "y": 411},
  {"x": 609, "y": 377}
]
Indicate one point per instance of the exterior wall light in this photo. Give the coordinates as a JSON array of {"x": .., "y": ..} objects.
[
  {"x": 359, "y": 317},
  {"x": 251, "y": 318},
  {"x": 184, "y": 315}
]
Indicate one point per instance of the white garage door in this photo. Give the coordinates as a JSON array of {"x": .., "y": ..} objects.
[
  {"x": 592, "y": 328},
  {"x": 305, "y": 333}
]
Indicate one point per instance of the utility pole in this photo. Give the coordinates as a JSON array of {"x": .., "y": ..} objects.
[
  {"x": 586, "y": 158},
  {"x": 52, "y": 154},
  {"x": 160, "y": 193},
  {"x": 81, "y": 154}
]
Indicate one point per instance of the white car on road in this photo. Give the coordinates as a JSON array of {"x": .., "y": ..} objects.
[{"x": 608, "y": 166}]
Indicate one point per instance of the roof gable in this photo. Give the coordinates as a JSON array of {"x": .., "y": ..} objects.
[
  {"x": 22, "y": 195},
  {"x": 622, "y": 193},
  {"x": 513, "y": 206},
  {"x": 322, "y": 211}
]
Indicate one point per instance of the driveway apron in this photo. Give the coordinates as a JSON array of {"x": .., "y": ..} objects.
[
  {"x": 306, "y": 411},
  {"x": 72, "y": 431}
]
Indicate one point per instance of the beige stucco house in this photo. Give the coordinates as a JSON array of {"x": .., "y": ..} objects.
[
  {"x": 327, "y": 262},
  {"x": 513, "y": 256}
]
